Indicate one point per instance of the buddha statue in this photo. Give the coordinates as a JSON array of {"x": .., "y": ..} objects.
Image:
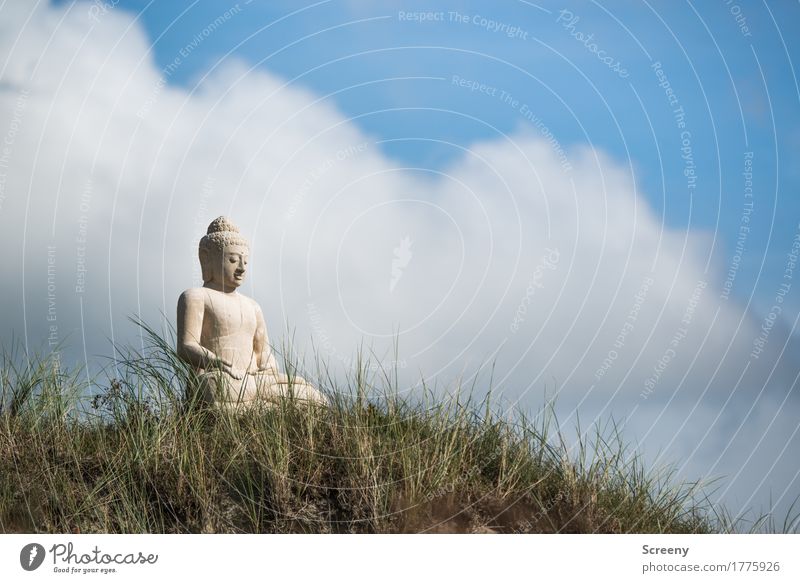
[{"x": 222, "y": 333}]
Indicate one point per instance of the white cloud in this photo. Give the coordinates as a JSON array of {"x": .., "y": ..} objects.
[{"x": 513, "y": 258}]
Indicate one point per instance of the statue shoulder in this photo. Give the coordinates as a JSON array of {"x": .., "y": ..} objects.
[
  {"x": 194, "y": 296},
  {"x": 253, "y": 303}
]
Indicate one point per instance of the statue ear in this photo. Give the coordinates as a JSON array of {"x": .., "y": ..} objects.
[{"x": 205, "y": 268}]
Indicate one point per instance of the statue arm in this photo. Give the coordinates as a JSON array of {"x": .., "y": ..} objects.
[
  {"x": 191, "y": 306},
  {"x": 265, "y": 358}
]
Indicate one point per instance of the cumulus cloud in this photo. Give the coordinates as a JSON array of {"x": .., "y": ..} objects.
[{"x": 561, "y": 276}]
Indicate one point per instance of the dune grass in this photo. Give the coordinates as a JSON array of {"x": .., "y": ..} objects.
[{"x": 128, "y": 453}]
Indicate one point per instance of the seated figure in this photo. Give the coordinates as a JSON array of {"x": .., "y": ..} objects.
[{"x": 223, "y": 335}]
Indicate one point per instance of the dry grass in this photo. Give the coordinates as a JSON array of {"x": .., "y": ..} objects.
[{"x": 129, "y": 454}]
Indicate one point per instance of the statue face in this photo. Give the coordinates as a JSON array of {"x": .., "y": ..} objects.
[{"x": 227, "y": 268}]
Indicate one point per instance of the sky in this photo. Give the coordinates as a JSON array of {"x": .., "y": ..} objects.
[{"x": 592, "y": 202}]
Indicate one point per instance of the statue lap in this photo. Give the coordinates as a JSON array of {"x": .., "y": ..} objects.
[{"x": 220, "y": 390}]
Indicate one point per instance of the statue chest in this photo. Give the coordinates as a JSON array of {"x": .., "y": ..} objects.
[{"x": 227, "y": 316}]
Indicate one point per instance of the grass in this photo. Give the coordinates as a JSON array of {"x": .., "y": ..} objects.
[{"x": 127, "y": 453}]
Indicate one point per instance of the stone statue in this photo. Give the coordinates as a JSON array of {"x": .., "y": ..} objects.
[{"x": 223, "y": 335}]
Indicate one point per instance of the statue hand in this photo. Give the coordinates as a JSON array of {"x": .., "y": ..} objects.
[
  {"x": 227, "y": 367},
  {"x": 277, "y": 376},
  {"x": 265, "y": 370},
  {"x": 238, "y": 375}
]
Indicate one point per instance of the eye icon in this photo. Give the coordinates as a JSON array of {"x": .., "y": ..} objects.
[{"x": 31, "y": 556}]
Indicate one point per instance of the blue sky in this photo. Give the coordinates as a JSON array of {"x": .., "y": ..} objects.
[
  {"x": 737, "y": 87},
  {"x": 527, "y": 161}
]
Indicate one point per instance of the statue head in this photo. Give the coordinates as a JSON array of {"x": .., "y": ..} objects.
[{"x": 223, "y": 255}]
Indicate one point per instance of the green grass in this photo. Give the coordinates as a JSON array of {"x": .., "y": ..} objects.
[{"x": 127, "y": 453}]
